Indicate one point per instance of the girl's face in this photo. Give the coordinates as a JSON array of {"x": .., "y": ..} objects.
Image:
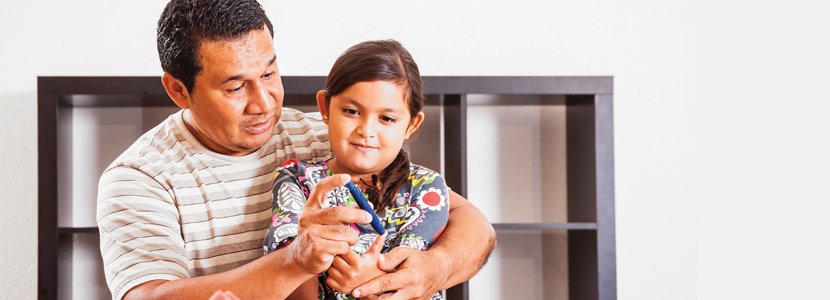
[{"x": 368, "y": 123}]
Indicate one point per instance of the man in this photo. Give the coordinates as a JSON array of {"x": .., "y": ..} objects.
[{"x": 183, "y": 211}]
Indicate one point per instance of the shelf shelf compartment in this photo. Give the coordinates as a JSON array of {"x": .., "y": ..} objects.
[{"x": 544, "y": 226}]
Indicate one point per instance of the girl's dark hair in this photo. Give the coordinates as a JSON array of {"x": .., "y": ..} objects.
[
  {"x": 383, "y": 60},
  {"x": 184, "y": 24}
]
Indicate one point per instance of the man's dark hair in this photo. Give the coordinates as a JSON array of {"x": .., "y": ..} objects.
[{"x": 184, "y": 24}]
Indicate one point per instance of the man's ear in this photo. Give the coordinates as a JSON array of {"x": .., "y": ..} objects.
[
  {"x": 414, "y": 124},
  {"x": 321, "y": 105},
  {"x": 176, "y": 90}
]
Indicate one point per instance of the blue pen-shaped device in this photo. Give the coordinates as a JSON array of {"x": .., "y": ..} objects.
[{"x": 364, "y": 205}]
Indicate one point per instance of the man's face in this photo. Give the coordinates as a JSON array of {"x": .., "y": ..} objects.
[{"x": 237, "y": 96}]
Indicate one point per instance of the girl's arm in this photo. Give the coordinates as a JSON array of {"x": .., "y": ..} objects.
[
  {"x": 425, "y": 219},
  {"x": 455, "y": 257},
  {"x": 306, "y": 291}
]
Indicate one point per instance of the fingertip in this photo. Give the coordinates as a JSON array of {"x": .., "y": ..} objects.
[
  {"x": 345, "y": 178},
  {"x": 356, "y": 293}
]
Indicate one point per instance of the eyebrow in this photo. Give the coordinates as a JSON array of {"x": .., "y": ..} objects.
[
  {"x": 239, "y": 77},
  {"x": 357, "y": 103}
]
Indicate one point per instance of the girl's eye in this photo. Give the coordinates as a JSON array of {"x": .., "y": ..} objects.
[
  {"x": 350, "y": 111},
  {"x": 388, "y": 119}
]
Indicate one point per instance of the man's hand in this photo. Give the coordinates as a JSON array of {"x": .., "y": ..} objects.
[
  {"x": 223, "y": 295},
  {"x": 325, "y": 232},
  {"x": 416, "y": 275},
  {"x": 350, "y": 270}
]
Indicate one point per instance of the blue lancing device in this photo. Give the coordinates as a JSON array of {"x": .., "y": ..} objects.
[{"x": 364, "y": 205}]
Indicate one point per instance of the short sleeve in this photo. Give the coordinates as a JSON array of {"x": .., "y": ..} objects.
[
  {"x": 289, "y": 198},
  {"x": 139, "y": 229},
  {"x": 302, "y": 136},
  {"x": 430, "y": 198}
]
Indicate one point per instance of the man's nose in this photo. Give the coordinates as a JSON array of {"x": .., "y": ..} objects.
[{"x": 260, "y": 100}]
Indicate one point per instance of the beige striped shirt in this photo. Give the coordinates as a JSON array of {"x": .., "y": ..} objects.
[{"x": 169, "y": 208}]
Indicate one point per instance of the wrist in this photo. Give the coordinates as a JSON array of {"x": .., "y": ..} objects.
[
  {"x": 445, "y": 266},
  {"x": 288, "y": 261}
]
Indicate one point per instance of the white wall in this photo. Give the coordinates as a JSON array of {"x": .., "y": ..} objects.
[{"x": 720, "y": 115}]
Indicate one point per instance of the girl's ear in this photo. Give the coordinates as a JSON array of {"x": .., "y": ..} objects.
[
  {"x": 176, "y": 90},
  {"x": 321, "y": 105},
  {"x": 414, "y": 124}
]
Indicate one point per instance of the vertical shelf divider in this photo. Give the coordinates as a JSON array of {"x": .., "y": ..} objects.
[
  {"x": 47, "y": 113},
  {"x": 455, "y": 158},
  {"x": 591, "y": 196},
  {"x": 606, "y": 211},
  {"x": 581, "y": 169},
  {"x": 455, "y": 146}
]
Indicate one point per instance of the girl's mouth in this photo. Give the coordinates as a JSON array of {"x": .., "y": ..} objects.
[{"x": 364, "y": 147}]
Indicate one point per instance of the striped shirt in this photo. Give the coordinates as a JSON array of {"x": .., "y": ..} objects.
[{"x": 169, "y": 208}]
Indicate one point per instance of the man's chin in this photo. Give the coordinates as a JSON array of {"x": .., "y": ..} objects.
[{"x": 248, "y": 147}]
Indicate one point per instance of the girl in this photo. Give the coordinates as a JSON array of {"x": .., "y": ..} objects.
[{"x": 372, "y": 103}]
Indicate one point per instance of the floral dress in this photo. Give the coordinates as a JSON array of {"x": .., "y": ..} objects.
[{"x": 416, "y": 218}]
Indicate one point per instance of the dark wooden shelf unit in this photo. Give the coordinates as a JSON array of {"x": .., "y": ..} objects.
[{"x": 590, "y": 159}]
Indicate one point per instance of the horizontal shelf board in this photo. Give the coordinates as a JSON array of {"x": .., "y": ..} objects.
[
  {"x": 497, "y": 226},
  {"x": 519, "y": 85},
  {"x": 74, "y": 230},
  {"x": 506, "y": 85},
  {"x": 545, "y": 226},
  {"x": 81, "y": 100}
]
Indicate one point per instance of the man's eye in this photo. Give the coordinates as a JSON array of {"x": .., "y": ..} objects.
[
  {"x": 234, "y": 90},
  {"x": 268, "y": 75},
  {"x": 350, "y": 111}
]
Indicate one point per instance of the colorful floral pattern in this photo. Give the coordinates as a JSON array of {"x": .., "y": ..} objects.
[{"x": 415, "y": 220}]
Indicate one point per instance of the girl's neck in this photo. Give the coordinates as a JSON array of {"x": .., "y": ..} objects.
[{"x": 356, "y": 177}]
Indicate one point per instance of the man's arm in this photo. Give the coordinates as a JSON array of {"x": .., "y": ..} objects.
[
  {"x": 274, "y": 276},
  {"x": 466, "y": 243},
  {"x": 458, "y": 254}
]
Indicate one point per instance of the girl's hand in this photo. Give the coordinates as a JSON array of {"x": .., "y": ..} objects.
[{"x": 350, "y": 270}]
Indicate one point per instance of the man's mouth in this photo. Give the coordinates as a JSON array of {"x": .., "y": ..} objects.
[{"x": 260, "y": 127}]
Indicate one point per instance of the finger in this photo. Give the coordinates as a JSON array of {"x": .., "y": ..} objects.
[
  {"x": 382, "y": 284},
  {"x": 396, "y": 295},
  {"x": 231, "y": 296},
  {"x": 342, "y": 233},
  {"x": 312, "y": 234},
  {"x": 336, "y": 215},
  {"x": 217, "y": 295},
  {"x": 338, "y": 232},
  {"x": 335, "y": 247},
  {"x": 339, "y": 264},
  {"x": 325, "y": 251},
  {"x": 323, "y": 187},
  {"x": 376, "y": 246},
  {"x": 342, "y": 215},
  {"x": 393, "y": 296},
  {"x": 332, "y": 280},
  {"x": 223, "y": 295},
  {"x": 393, "y": 258},
  {"x": 351, "y": 259}
]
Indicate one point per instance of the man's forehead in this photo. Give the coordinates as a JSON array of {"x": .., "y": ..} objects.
[{"x": 250, "y": 53}]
